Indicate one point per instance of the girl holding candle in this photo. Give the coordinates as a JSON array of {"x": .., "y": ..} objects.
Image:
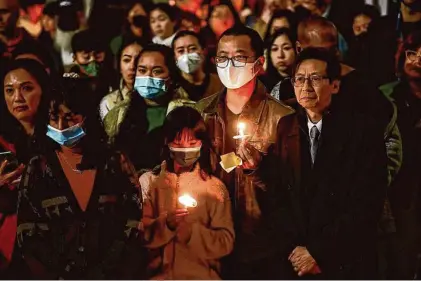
[{"x": 187, "y": 211}]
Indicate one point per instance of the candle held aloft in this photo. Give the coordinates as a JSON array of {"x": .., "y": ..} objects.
[{"x": 187, "y": 201}]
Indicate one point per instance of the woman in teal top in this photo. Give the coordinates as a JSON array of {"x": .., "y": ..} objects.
[{"x": 135, "y": 127}]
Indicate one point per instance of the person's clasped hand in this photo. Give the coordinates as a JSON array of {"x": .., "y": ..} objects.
[
  {"x": 176, "y": 221},
  {"x": 303, "y": 263},
  {"x": 174, "y": 218},
  {"x": 12, "y": 177},
  {"x": 250, "y": 155}
]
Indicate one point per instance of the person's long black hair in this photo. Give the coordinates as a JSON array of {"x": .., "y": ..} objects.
[
  {"x": 187, "y": 118},
  {"x": 77, "y": 94},
  {"x": 10, "y": 128}
]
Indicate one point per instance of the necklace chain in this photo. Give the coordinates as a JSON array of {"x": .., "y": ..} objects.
[{"x": 68, "y": 164}]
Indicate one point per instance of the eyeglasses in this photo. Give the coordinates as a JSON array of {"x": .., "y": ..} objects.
[
  {"x": 237, "y": 61},
  {"x": 412, "y": 56},
  {"x": 315, "y": 80}
]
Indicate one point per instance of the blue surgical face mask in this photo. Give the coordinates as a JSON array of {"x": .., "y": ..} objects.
[
  {"x": 67, "y": 137},
  {"x": 150, "y": 87}
]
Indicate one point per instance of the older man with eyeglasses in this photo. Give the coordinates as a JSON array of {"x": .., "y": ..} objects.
[
  {"x": 330, "y": 163},
  {"x": 243, "y": 119}
]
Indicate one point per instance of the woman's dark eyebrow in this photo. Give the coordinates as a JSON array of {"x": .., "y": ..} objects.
[{"x": 26, "y": 83}]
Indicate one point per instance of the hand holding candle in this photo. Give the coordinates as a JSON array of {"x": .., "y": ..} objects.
[{"x": 176, "y": 217}]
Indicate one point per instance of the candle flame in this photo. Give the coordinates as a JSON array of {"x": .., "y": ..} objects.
[
  {"x": 187, "y": 201},
  {"x": 241, "y": 127}
]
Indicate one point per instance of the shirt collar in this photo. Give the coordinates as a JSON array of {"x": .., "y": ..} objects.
[
  {"x": 167, "y": 42},
  {"x": 327, "y": 11},
  {"x": 311, "y": 124}
]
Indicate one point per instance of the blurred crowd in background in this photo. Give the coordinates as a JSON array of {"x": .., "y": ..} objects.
[{"x": 112, "y": 109}]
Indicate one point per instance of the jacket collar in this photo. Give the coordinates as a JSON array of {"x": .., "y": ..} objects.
[{"x": 252, "y": 110}]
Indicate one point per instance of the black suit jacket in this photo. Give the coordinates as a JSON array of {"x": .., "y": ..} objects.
[{"x": 332, "y": 208}]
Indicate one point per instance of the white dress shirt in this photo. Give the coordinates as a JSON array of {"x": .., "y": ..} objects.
[{"x": 311, "y": 124}]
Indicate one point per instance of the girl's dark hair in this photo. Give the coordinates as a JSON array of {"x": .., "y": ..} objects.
[
  {"x": 78, "y": 95},
  {"x": 37, "y": 49},
  {"x": 171, "y": 12},
  {"x": 290, "y": 16},
  {"x": 412, "y": 42},
  {"x": 188, "y": 118},
  {"x": 271, "y": 69},
  {"x": 10, "y": 128}
]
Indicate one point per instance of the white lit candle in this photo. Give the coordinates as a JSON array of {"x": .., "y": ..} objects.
[
  {"x": 241, "y": 127},
  {"x": 187, "y": 201}
]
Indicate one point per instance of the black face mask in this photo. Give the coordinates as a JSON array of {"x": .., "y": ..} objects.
[
  {"x": 363, "y": 37},
  {"x": 140, "y": 21}
]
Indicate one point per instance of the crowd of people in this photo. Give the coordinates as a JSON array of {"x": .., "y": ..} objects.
[{"x": 197, "y": 139}]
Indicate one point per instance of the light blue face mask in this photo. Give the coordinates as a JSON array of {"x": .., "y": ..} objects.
[
  {"x": 67, "y": 137},
  {"x": 150, "y": 87}
]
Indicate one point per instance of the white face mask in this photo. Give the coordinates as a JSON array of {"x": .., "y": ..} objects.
[
  {"x": 236, "y": 77},
  {"x": 189, "y": 63}
]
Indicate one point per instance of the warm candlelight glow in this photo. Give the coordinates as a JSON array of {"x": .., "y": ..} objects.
[
  {"x": 241, "y": 127},
  {"x": 187, "y": 201}
]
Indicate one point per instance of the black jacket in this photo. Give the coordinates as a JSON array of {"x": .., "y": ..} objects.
[
  {"x": 59, "y": 240},
  {"x": 333, "y": 208}
]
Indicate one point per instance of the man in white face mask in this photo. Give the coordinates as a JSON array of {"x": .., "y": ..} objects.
[
  {"x": 244, "y": 99},
  {"x": 197, "y": 82}
]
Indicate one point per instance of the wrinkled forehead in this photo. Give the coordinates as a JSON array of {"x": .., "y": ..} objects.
[
  {"x": 311, "y": 67},
  {"x": 239, "y": 44}
]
